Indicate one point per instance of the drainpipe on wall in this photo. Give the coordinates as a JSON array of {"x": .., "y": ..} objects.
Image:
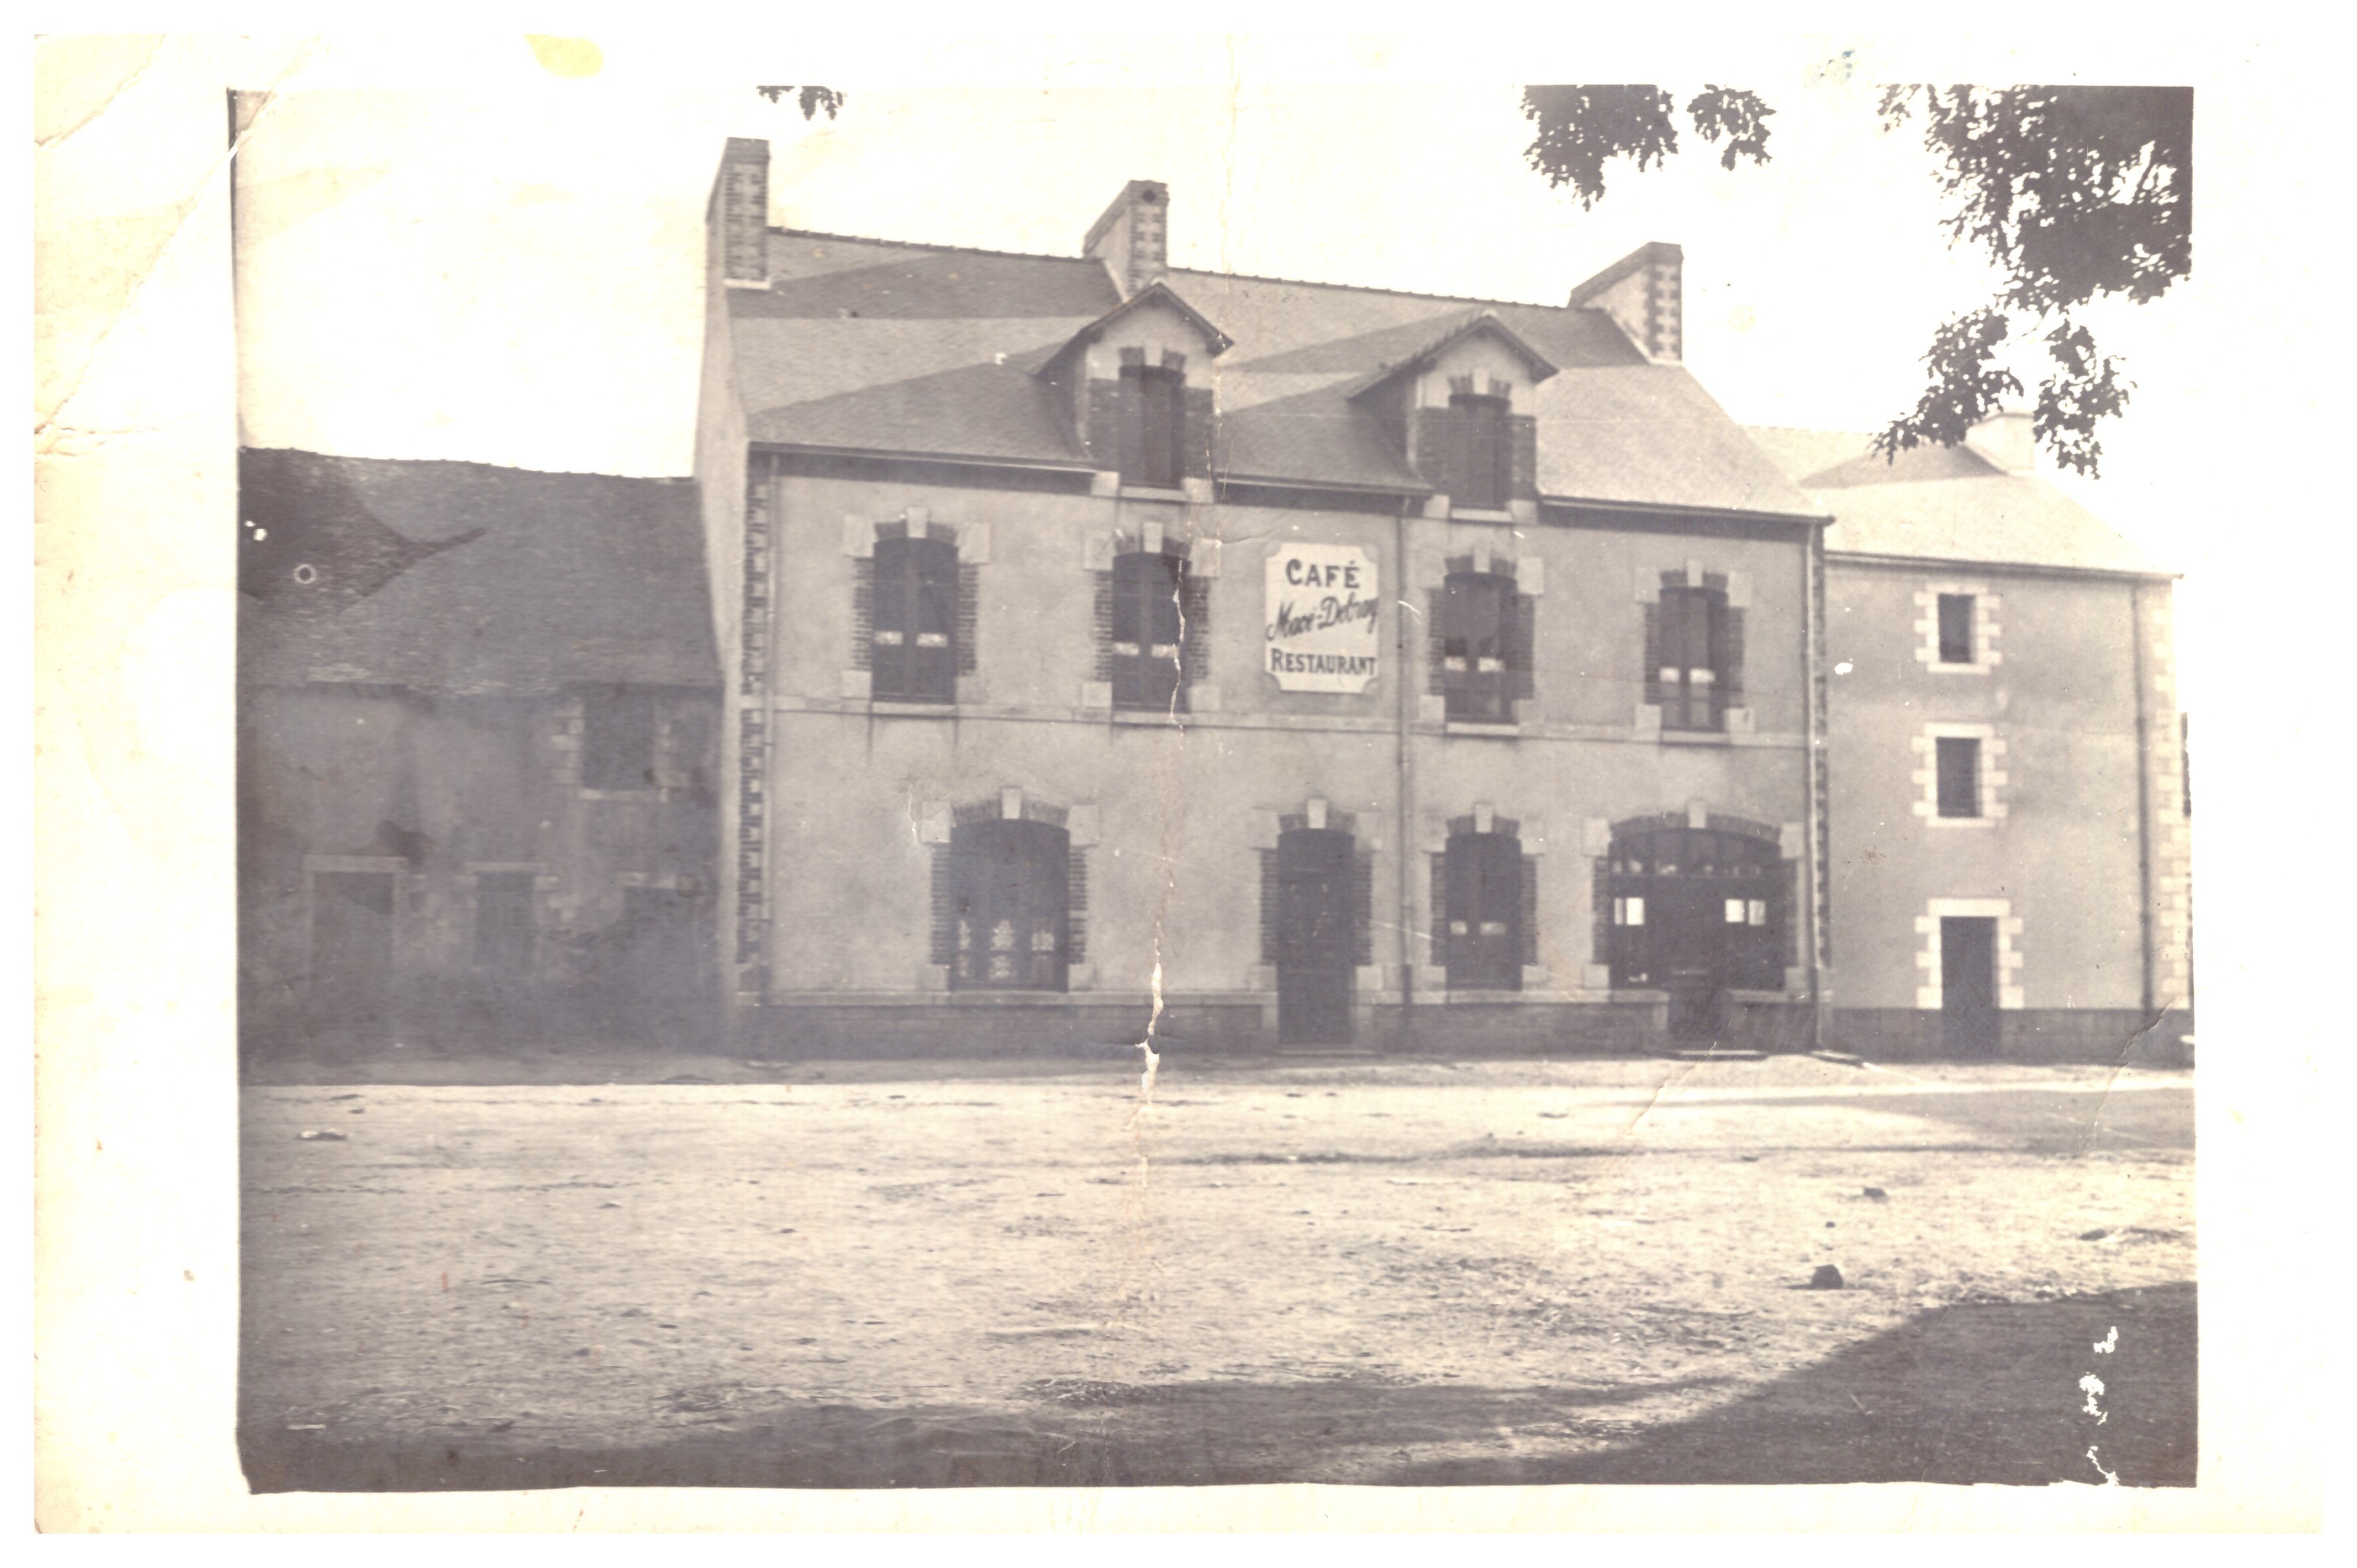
[
  {"x": 1406, "y": 804},
  {"x": 2140, "y": 655},
  {"x": 1814, "y": 720}
]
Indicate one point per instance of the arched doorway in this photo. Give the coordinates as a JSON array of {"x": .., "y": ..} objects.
[{"x": 1696, "y": 912}]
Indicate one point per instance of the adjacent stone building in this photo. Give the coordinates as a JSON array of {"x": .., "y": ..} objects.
[
  {"x": 477, "y": 757},
  {"x": 2009, "y": 816}
]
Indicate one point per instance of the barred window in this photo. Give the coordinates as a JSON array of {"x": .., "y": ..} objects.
[{"x": 916, "y": 621}]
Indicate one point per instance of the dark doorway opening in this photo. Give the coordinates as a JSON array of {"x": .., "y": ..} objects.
[
  {"x": 1968, "y": 998},
  {"x": 1317, "y": 936},
  {"x": 352, "y": 954},
  {"x": 1697, "y": 913}
]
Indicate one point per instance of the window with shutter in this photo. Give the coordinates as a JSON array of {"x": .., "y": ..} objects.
[
  {"x": 1148, "y": 630},
  {"x": 915, "y": 621},
  {"x": 1151, "y": 447},
  {"x": 1485, "y": 912},
  {"x": 1959, "y": 763},
  {"x": 1482, "y": 464},
  {"x": 1010, "y": 886},
  {"x": 1692, "y": 645},
  {"x": 1479, "y": 645}
]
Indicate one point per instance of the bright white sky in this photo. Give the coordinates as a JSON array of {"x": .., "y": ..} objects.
[{"x": 460, "y": 253}]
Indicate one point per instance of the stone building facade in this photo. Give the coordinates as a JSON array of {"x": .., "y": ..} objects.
[{"x": 1108, "y": 644}]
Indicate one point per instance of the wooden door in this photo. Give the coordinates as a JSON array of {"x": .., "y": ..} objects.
[
  {"x": 352, "y": 952},
  {"x": 1317, "y": 936},
  {"x": 1968, "y": 984}
]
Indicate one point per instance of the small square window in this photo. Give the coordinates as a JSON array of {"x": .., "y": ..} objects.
[
  {"x": 1956, "y": 629},
  {"x": 1958, "y": 759}
]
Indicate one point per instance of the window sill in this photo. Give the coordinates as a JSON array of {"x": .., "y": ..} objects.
[
  {"x": 1939, "y": 821},
  {"x": 641, "y": 795},
  {"x": 1694, "y": 736},
  {"x": 1626, "y": 993},
  {"x": 1938, "y": 668},
  {"x": 1130, "y": 492},
  {"x": 1151, "y": 718},
  {"x": 892, "y": 707},
  {"x": 1478, "y": 514},
  {"x": 1502, "y": 729}
]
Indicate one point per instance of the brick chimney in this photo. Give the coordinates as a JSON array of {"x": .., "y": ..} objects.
[
  {"x": 2006, "y": 441},
  {"x": 737, "y": 220},
  {"x": 1133, "y": 237},
  {"x": 1644, "y": 292}
]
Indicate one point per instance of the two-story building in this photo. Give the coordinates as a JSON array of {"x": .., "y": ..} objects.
[
  {"x": 1108, "y": 644},
  {"x": 476, "y": 756},
  {"x": 2009, "y": 816}
]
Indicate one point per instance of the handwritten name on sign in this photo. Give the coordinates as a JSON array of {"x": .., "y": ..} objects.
[{"x": 1321, "y": 617}]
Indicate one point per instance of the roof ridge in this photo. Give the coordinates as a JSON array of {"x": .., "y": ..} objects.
[
  {"x": 475, "y": 463},
  {"x": 927, "y": 245},
  {"x": 1474, "y": 299}
]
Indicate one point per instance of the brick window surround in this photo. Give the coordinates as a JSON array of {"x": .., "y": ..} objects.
[
  {"x": 914, "y": 609},
  {"x": 1693, "y": 650}
]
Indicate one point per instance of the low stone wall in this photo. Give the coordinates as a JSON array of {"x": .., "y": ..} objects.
[{"x": 2026, "y": 1034}]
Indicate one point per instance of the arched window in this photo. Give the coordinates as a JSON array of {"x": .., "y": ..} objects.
[
  {"x": 1148, "y": 655},
  {"x": 1695, "y": 912},
  {"x": 1010, "y": 890},
  {"x": 916, "y": 621}
]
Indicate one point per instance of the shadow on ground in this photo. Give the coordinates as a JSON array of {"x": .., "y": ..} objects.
[{"x": 1983, "y": 1393}]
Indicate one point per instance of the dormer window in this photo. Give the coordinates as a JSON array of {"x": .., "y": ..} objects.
[
  {"x": 1481, "y": 460},
  {"x": 1152, "y": 434}
]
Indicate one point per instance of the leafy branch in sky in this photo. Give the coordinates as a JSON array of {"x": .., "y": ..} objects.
[
  {"x": 812, "y": 99},
  {"x": 2076, "y": 193},
  {"x": 1580, "y": 129}
]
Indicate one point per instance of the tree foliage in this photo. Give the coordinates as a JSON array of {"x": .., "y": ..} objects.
[
  {"x": 2076, "y": 193},
  {"x": 1580, "y": 129},
  {"x": 812, "y": 99}
]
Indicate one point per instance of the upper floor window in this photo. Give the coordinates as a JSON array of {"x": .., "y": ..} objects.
[
  {"x": 1480, "y": 467},
  {"x": 1149, "y": 627},
  {"x": 618, "y": 732},
  {"x": 1696, "y": 659},
  {"x": 915, "y": 621},
  {"x": 1154, "y": 433},
  {"x": 1957, "y": 760},
  {"x": 1484, "y": 645},
  {"x": 1955, "y": 630}
]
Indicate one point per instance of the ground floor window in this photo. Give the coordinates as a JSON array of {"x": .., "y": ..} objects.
[
  {"x": 1010, "y": 892},
  {"x": 1696, "y": 912},
  {"x": 1481, "y": 911}
]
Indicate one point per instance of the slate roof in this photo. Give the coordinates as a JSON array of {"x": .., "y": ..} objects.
[
  {"x": 885, "y": 346},
  {"x": 466, "y": 579},
  {"x": 1943, "y": 503}
]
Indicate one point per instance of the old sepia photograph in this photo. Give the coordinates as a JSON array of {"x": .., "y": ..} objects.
[{"x": 1209, "y": 780}]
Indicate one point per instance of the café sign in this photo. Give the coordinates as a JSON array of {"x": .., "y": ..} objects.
[{"x": 1322, "y": 605}]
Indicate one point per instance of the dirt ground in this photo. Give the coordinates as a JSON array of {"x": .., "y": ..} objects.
[{"x": 1348, "y": 1271}]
